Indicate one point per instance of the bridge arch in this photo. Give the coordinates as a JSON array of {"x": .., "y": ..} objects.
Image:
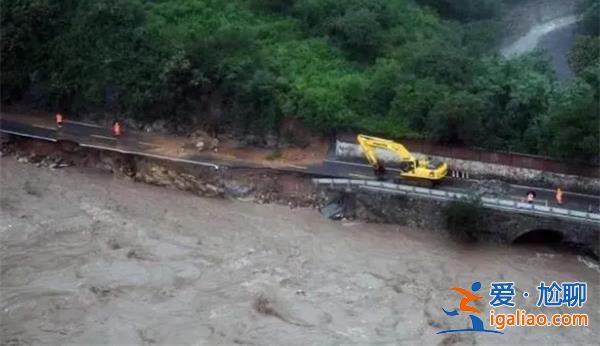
[{"x": 539, "y": 236}]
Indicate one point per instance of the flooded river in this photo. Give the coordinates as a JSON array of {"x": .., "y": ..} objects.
[{"x": 90, "y": 259}]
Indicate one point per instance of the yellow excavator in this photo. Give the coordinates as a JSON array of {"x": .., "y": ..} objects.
[{"x": 428, "y": 171}]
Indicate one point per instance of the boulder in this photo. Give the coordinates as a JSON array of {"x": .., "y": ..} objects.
[
  {"x": 333, "y": 211},
  {"x": 237, "y": 189}
]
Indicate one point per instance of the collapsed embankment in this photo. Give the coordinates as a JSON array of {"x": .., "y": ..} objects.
[
  {"x": 263, "y": 185},
  {"x": 252, "y": 184}
]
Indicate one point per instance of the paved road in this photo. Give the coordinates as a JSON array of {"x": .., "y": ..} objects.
[{"x": 147, "y": 144}]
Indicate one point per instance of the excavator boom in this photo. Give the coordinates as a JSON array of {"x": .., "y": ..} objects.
[{"x": 369, "y": 144}]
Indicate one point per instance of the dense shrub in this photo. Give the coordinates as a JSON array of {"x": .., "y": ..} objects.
[{"x": 465, "y": 218}]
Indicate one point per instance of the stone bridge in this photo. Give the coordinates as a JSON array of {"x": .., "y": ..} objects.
[
  {"x": 519, "y": 228},
  {"x": 501, "y": 226}
]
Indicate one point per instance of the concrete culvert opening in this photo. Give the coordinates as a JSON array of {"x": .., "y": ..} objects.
[{"x": 539, "y": 237}]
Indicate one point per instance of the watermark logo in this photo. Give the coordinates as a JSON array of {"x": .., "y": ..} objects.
[
  {"x": 571, "y": 294},
  {"x": 502, "y": 294},
  {"x": 476, "y": 322}
]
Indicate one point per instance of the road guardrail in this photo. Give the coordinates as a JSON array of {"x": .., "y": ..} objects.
[{"x": 488, "y": 202}]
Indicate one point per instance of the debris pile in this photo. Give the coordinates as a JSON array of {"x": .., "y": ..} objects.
[
  {"x": 53, "y": 161},
  {"x": 201, "y": 141},
  {"x": 163, "y": 176},
  {"x": 491, "y": 188}
]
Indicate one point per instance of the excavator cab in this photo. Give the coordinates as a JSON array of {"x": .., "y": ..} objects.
[{"x": 434, "y": 164}]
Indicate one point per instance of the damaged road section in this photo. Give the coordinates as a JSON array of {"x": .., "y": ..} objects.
[{"x": 261, "y": 185}]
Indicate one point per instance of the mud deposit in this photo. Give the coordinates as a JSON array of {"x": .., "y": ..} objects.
[{"x": 91, "y": 259}]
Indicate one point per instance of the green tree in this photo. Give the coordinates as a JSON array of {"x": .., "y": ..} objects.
[
  {"x": 481, "y": 37},
  {"x": 25, "y": 27},
  {"x": 515, "y": 93},
  {"x": 278, "y": 6},
  {"x": 103, "y": 56},
  {"x": 259, "y": 103},
  {"x": 466, "y": 10},
  {"x": 571, "y": 131},
  {"x": 415, "y": 99},
  {"x": 437, "y": 60},
  {"x": 318, "y": 15},
  {"x": 457, "y": 119},
  {"x": 584, "y": 53},
  {"x": 359, "y": 33}
]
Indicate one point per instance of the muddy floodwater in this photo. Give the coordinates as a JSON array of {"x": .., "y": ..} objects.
[{"x": 91, "y": 259}]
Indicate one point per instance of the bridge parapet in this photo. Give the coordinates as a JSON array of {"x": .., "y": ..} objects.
[{"x": 505, "y": 221}]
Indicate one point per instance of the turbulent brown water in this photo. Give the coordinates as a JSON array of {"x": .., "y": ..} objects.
[{"x": 89, "y": 259}]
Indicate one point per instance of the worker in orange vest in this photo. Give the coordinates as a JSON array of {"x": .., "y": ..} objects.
[
  {"x": 559, "y": 195},
  {"x": 59, "y": 120},
  {"x": 117, "y": 129}
]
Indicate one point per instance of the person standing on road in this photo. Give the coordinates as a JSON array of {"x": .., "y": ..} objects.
[
  {"x": 59, "y": 120},
  {"x": 116, "y": 129},
  {"x": 530, "y": 197},
  {"x": 559, "y": 195}
]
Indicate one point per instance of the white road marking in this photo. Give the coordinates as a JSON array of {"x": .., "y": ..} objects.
[
  {"x": 83, "y": 124},
  {"x": 295, "y": 166},
  {"x": 358, "y": 175},
  {"x": 45, "y": 126},
  {"x": 104, "y": 137},
  {"x": 29, "y": 135}
]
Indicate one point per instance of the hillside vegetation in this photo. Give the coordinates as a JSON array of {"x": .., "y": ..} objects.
[{"x": 394, "y": 68}]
